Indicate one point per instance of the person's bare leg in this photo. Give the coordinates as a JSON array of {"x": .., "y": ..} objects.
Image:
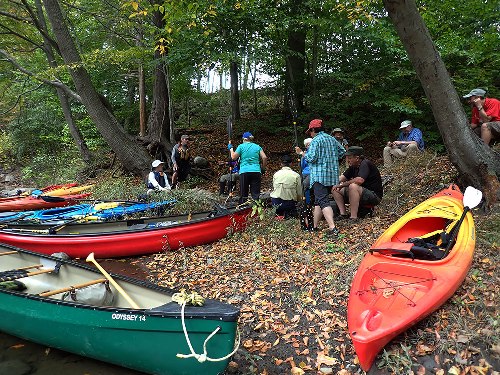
[
  {"x": 338, "y": 195},
  {"x": 355, "y": 192},
  {"x": 387, "y": 156},
  {"x": 328, "y": 214},
  {"x": 486, "y": 133},
  {"x": 318, "y": 214}
]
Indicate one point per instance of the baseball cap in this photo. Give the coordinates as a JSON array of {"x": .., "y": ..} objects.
[
  {"x": 314, "y": 124},
  {"x": 156, "y": 163},
  {"x": 337, "y": 130},
  {"x": 405, "y": 123},
  {"x": 355, "y": 150},
  {"x": 247, "y": 135},
  {"x": 475, "y": 92},
  {"x": 184, "y": 136}
]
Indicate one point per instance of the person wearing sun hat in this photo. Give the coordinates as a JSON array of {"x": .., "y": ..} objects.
[
  {"x": 409, "y": 142},
  {"x": 323, "y": 159},
  {"x": 157, "y": 179},
  {"x": 253, "y": 162},
  {"x": 360, "y": 184},
  {"x": 485, "y": 119}
]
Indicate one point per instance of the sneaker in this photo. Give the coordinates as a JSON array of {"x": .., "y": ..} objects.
[
  {"x": 332, "y": 233},
  {"x": 341, "y": 217}
]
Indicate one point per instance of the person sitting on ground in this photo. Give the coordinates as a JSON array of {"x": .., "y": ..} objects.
[
  {"x": 485, "y": 119},
  {"x": 229, "y": 179},
  {"x": 181, "y": 160},
  {"x": 287, "y": 190},
  {"x": 251, "y": 156},
  {"x": 360, "y": 184},
  {"x": 157, "y": 179},
  {"x": 323, "y": 158},
  {"x": 410, "y": 141}
]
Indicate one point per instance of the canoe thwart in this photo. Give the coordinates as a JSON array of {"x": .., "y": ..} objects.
[
  {"x": 8, "y": 253},
  {"x": 72, "y": 287}
]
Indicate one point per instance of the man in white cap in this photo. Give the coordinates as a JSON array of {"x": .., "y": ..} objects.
[
  {"x": 485, "y": 119},
  {"x": 410, "y": 141},
  {"x": 157, "y": 179}
]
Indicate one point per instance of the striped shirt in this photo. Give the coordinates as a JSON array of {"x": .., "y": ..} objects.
[{"x": 323, "y": 158}]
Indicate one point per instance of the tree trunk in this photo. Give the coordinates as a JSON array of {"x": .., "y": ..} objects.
[
  {"x": 63, "y": 98},
  {"x": 159, "y": 127},
  {"x": 295, "y": 64},
  {"x": 132, "y": 156},
  {"x": 477, "y": 163},
  {"x": 235, "y": 93}
]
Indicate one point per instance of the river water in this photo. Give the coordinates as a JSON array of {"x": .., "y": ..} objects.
[{"x": 20, "y": 357}]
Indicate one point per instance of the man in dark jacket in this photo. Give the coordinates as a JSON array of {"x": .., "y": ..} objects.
[{"x": 360, "y": 184}]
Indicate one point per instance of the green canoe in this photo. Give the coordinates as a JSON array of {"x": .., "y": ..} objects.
[{"x": 149, "y": 338}]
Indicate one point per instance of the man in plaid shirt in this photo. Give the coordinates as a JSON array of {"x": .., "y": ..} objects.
[{"x": 323, "y": 158}]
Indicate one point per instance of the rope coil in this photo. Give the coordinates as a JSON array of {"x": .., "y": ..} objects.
[{"x": 183, "y": 298}]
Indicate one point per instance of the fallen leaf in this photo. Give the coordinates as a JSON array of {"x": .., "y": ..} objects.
[{"x": 297, "y": 371}]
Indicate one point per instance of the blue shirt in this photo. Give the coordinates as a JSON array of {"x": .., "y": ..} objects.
[
  {"x": 249, "y": 157},
  {"x": 304, "y": 166},
  {"x": 414, "y": 135},
  {"x": 323, "y": 158}
]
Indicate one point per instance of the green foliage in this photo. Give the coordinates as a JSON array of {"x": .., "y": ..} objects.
[
  {"x": 49, "y": 169},
  {"x": 6, "y": 149}
]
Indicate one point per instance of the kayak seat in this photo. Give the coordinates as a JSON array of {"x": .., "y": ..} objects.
[{"x": 415, "y": 248}]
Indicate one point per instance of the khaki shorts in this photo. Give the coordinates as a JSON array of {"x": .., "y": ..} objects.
[{"x": 495, "y": 129}]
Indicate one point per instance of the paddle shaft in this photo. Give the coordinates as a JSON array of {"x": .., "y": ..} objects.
[
  {"x": 73, "y": 287},
  {"x": 120, "y": 290},
  {"x": 455, "y": 230},
  {"x": 8, "y": 253}
]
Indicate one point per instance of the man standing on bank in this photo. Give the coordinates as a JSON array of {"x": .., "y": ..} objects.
[
  {"x": 360, "y": 184},
  {"x": 323, "y": 158}
]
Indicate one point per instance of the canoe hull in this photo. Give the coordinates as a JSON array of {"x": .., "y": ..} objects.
[
  {"x": 127, "y": 241},
  {"x": 146, "y": 339},
  {"x": 390, "y": 294}
]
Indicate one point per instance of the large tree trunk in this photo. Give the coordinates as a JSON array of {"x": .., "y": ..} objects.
[
  {"x": 63, "y": 98},
  {"x": 133, "y": 157},
  {"x": 235, "y": 92},
  {"x": 295, "y": 64},
  {"x": 478, "y": 164},
  {"x": 160, "y": 133}
]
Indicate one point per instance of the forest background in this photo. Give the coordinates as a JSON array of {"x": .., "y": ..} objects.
[{"x": 339, "y": 61}]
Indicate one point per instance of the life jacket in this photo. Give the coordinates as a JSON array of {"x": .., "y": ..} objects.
[
  {"x": 184, "y": 154},
  {"x": 159, "y": 178}
]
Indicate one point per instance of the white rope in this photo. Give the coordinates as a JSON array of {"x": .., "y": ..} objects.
[{"x": 203, "y": 357}]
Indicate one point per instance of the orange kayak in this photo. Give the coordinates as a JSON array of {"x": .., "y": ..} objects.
[
  {"x": 411, "y": 270},
  {"x": 71, "y": 192}
]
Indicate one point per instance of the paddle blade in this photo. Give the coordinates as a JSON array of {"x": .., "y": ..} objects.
[{"x": 472, "y": 197}]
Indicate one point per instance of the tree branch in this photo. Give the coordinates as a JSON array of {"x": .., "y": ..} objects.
[{"x": 55, "y": 83}]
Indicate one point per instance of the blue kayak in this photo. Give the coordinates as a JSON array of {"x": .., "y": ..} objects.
[{"x": 99, "y": 211}]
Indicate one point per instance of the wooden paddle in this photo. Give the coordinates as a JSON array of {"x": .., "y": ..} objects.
[
  {"x": 120, "y": 290},
  {"x": 472, "y": 197},
  {"x": 70, "y": 288}
]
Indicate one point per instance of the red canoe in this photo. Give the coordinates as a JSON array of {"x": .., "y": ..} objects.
[
  {"x": 398, "y": 283},
  {"x": 127, "y": 237}
]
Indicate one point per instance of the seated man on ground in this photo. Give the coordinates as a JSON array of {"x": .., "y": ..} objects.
[
  {"x": 485, "y": 119},
  {"x": 230, "y": 179},
  {"x": 287, "y": 190},
  {"x": 360, "y": 184},
  {"x": 410, "y": 141},
  {"x": 157, "y": 179}
]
